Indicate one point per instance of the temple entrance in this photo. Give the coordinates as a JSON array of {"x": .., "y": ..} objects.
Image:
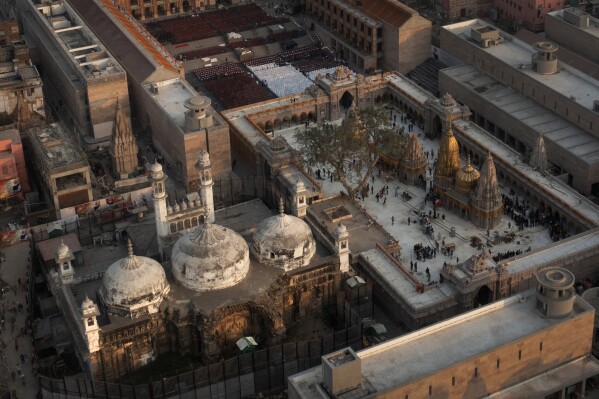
[
  {"x": 483, "y": 297},
  {"x": 346, "y": 101}
]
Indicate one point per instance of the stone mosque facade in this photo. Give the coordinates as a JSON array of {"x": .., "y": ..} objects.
[{"x": 219, "y": 286}]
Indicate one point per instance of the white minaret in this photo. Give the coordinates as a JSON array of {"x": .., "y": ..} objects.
[
  {"x": 206, "y": 184},
  {"x": 301, "y": 203},
  {"x": 342, "y": 247},
  {"x": 91, "y": 330},
  {"x": 158, "y": 179},
  {"x": 64, "y": 261}
]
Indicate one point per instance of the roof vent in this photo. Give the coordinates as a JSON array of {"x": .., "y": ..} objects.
[
  {"x": 342, "y": 371},
  {"x": 576, "y": 17}
]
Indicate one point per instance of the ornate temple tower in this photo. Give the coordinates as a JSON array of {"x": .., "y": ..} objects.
[
  {"x": 64, "y": 261},
  {"x": 158, "y": 179},
  {"x": 123, "y": 147},
  {"x": 206, "y": 184},
  {"x": 538, "y": 157},
  {"x": 448, "y": 162},
  {"x": 487, "y": 206},
  {"x": 414, "y": 163},
  {"x": 466, "y": 179}
]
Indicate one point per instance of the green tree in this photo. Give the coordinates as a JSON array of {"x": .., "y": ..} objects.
[{"x": 352, "y": 148}]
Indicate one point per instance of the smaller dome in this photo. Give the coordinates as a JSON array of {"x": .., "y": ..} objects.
[
  {"x": 466, "y": 178},
  {"x": 134, "y": 286},
  {"x": 299, "y": 185},
  {"x": 63, "y": 251},
  {"x": 341, "y": 230},
  {"x": 177, "y": 207},
  {"x": 156, "y": 168},
  {"x": 283, "y": 241},
  {"x": 447, "y": 101},
  {"x": 204, "y": 159}
]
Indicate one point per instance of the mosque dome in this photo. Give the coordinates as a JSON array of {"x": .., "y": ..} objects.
[
  {"x": 283, "y": 241},
  {"x": 63, "y": 251},
  {"x": 156, "y": 168},
  {"x": 134, "y": 286},
  {"x": 466, "y": 178},
  {"x": 210, "y": 257}
]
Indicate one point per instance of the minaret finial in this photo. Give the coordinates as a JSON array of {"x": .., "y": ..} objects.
[
  {"x": 130, "y": 248},
  {"x": 281, "y": 206},
  {"x": 468, "y": 160}
]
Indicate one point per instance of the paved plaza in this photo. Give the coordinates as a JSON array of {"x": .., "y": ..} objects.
[{"x": 394, "y": 215}]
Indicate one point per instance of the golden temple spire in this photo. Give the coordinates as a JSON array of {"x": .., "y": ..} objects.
[{"x": 448, "y": 162}]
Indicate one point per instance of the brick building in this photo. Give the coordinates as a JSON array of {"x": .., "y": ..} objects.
[
  {"x": 370, "y": 35},
  {"x": 156, "y": 8},
  {"x": 61, "y": 166},
  {"x": 13, "y": 171}
]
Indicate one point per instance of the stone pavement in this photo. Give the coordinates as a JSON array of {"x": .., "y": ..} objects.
[{"x": 17, "y": 375}]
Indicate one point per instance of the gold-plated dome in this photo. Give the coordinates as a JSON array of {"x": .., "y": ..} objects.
[
  {"x": 448, "y": 162},
  {"x": 466, "y": 178}
]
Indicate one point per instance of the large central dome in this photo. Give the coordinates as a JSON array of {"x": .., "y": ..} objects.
[
  {"x": 283, "y": 241},
  {"x": 134, "y": 286},
  {"x": 210, "y": 257}
]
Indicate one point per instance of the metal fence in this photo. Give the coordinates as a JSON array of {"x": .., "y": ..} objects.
[{"x": 240, "y": 377}]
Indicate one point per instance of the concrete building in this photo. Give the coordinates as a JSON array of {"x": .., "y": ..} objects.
[
  {"x": 165, "y": 105},
  {"x": 13, "y": 171},
  {"x": 370, "y": 35},
  {"x": 519, "y": 347},
  {"x": 21, "y": 94},
  {"x": 80, "y": 73},
  {"x": 518, "y": 92},
  {"x": 61, "y": 166},
  {"x": 157, "y": 8},
  {"x": 574, "y": 29}
]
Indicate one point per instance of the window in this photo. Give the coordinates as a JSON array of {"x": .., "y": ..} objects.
[
  {"x": 541, "y": 346},
  {"x": 475, "y": 372},
  {"x": 452, "y": 381},
  {"x": 4, "y": 170},
  {"x": 90, "y": 321},
  {"x": 430, "y": 390},
  {"x": 497, "y": 362},
  {"x": 520, "y": 354},
  {"x": 65, "y": 266}
]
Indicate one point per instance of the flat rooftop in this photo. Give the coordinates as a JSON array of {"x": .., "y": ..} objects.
[
  {"x": 545, "y": 185},
  {"x": 84, "y": 49},
  {"x": 512, "y": 51},
  {"x": 426, "y": 351},
  {"x": 591, "y": 29},
  {"x": 584, "y": 243},
  {"x": 400, "y": 286},
  {"x": 559, "y": 131},
  {"x": 171, "y": 96},
  {"x": 55, "y": 149}
]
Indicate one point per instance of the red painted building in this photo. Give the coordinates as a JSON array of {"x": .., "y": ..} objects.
[{"x": 13, "y": 173}]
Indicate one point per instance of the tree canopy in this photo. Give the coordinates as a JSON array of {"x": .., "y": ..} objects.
[{"x": 352, "y": 148}]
